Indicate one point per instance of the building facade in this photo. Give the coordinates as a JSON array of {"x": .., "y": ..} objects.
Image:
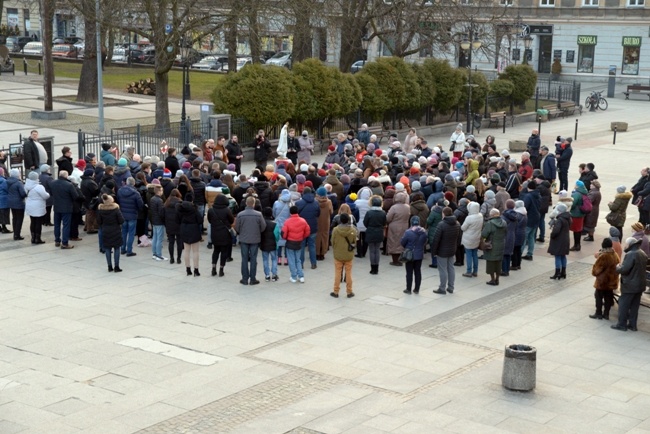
[{"x": 21, "y": 18}]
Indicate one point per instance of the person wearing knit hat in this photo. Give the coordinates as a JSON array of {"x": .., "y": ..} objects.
[
  {"x": 606, "y": 279},
  {"x": 633, "y": 283},
  {"x": 110, "y": 220},
  {"x": 122, "y": 162},
  {"x": 615, "y": 236},
  {"x": 88, "y": 173},
  {"x": 167, "y": 173},
  {"x": 15, "y": 200},
  {"x": 370, "y": 148},
  {"x": 618, "y": 207},
  {"x": 404, "y": 180},
  {"x": 580, "y": 199},
  {"x": 331, "y": 148},
  {"x": 81, "y": 165},
  {"x": 321, "y": 191}
]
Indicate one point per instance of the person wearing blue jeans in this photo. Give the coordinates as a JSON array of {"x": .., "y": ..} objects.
[
  {"x": 62, "y": 237},
  {"x": 128, "y": 235},
  {"x": 157, "y": 215},
  {"x": 310, "y": 244},
  {"x": 542, "y": 228},
  {"x": 533, "y": 204},
  {"x": 270, "y": 262},
  {"x": 530, "y": 242},
  {"x": 295, "y": 264},
  {"x": 471, "y": 261},
  {"x": 250, "y": 225},
  {"x": 131, "y": 203},
  {"x": 269, "y": 247}
]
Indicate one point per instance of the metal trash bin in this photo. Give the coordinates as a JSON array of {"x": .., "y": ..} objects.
[
  {"x": 542, "y": 115},
  {"x": 519, "y": 367}
]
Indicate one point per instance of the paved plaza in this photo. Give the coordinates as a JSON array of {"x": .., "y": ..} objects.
[{"x": 151, "y": 350}]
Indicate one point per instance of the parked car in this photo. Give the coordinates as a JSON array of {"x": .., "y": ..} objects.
[
  {"x": 241, "y": 62},
  {"x": 119, "y": 55},
  {"x": 65, "y": 50},
  {"x": 193, "y": 56},
  {"x": 357, "y": 66},
  {"x": 210, "y": 63},
  {"x": 281, "y": 58},
  {"x": 148, "y": 55},
  {"x": 68, "y": 40},
  {"x": 33, "y": 49},
  {"x": 135, "y": 55}
]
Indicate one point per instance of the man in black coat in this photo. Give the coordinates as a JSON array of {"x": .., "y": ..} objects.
[
  {"x": 65, "y": 161},
  {"x": 443, "y": 246},
  {"x": 544, "y": 188},
  {"x": 633, "y": 282},
  {"x": 46, "y": 179},
  {"x": 533, "y": 145},
  {"x": 31, "y": 156},
  {"x": 64, "y": 196},
  {"x": 235, "y": 154},
  {"x": 262, "y": 150},
  {"x": 171, "y": 162},
  {"x": 563, "y": 163}
]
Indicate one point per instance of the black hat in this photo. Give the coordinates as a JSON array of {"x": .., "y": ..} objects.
[{"x": 106, "y": 146}]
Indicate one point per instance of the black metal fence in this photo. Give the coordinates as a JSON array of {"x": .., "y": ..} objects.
[{"x": 146, "y": 139}]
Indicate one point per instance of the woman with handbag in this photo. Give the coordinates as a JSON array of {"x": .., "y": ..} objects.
[
  {"x": 618, "y": 208},
  {"x": 494, "y": 232},
  {"x": 413, "y": 241},
  {"x": 457, "y": 140},
  {"x": 190, "y": 221}
]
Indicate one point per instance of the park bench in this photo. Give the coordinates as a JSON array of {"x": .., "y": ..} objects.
[
  {"x": 637, "y": 89},
  {"x": 568, "y": 108},
  {"x": 553, "y": 110},
  {"x": 497, "y": 118}
]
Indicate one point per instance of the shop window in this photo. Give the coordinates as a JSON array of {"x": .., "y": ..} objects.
[
  {"x": 630, "y": 60},
  {"x": 586, "y": 58},
  {"x": 635, "y": 2}
]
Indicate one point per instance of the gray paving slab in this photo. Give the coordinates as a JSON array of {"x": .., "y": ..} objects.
[{"x": 296, "y": 360}]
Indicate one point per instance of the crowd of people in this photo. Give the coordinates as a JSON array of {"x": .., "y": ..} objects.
[{"x": 405, "y": 200}]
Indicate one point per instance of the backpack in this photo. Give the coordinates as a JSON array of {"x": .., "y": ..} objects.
[{"x": 586, "y": 206}]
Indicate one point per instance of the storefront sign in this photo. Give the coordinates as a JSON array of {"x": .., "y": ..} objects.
[
  {"x": 631, "y": 41},
  {"x": 587, "y": 40}
]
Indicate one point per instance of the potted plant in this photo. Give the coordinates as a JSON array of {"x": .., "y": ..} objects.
[{"x": 556, "y": 69}]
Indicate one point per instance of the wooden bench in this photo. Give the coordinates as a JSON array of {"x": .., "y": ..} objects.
[
  {"x": 568, "y": 108},
  {"x": 378, "y": 131},
  {"x": 553, "y": 110},
  {"x": 637, "y": 89},
  {"x": 496, "y": 118}
]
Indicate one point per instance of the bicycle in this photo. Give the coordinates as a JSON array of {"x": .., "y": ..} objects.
[{"x": 597, "y": 100}]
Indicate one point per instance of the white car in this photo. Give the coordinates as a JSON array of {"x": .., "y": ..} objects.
[
  {"x": 281, "y": 58},
  {"x": 119, "y": 55},
  {"x": 209, "y": 63},
  {"x": 241, "y": 62},
  {"x": 33, "y": 48}
]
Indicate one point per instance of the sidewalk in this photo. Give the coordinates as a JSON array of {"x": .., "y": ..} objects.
[{"x": 150, "y": 350}]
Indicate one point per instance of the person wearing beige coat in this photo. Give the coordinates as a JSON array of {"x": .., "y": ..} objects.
[{"x": 398, "y": 222}]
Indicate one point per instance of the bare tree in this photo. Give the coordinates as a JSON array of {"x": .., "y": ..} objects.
[
  {"x": 168, "y": 24},
  {"x": 47, "y": 16},
  {"x": 87, "y": 89}
]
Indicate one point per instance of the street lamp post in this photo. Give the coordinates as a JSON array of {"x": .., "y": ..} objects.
[
  {"x": 184, "y": 130},
  {"x": 469, "y": 43},
  {"x": 528, "y": 40},
  {"x": 364, "y": 46}
]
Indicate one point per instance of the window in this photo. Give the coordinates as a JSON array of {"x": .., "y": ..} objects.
[
  {"x": 589, "y": 2},
  {"x": 547, "y": 3},
  {"x": 586, "y": 58},
  {"x": 635, "y": 2},
  {"x": 505, "y": 2}
]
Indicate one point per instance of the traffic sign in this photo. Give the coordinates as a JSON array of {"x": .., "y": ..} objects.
[{"x": 168, "y": 29}]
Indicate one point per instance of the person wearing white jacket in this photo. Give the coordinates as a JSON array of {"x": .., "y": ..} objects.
[
  {"x": 363, "y": 205},
  {"x": 457, "y": 140},
  {"x": 35, "y": 206},
  {"x": 472, "y": 227}
]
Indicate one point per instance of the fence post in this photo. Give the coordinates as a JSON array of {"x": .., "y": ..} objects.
[
  {"x": 559, "y": 95},
  {"x": 539, "y": 125},
  {"x": 579, "y": 87},
  {"x": 615, "y": 128},
  {"x": 137, "y": 138},
  {"x": 80, "y": 143},
  {"x": 39, "y": 67},
  {"x": 548, "y": 94},
  {"x": 536, "y": 98},
  {"x": 504, "y": 123},
  {"x": 25, "y": 65},
  {"x": 575, "y": 133}
]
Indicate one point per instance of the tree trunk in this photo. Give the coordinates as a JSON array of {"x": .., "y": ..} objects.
[
  {"x": 162, "y": 100},
  {"x": 47, "y": 15},
  {"x": 87, "y": 90},
  {"x": 111, "y": 44},
  {"x": 302, "y": 37},
  {"x": 231, "y": 39},
  {"x": 254, "y": 34}
]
